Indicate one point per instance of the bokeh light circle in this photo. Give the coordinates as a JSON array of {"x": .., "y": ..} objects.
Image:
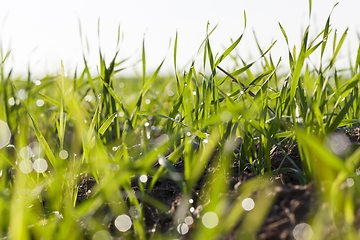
[
  {"x": 123, "y": 223},
  {"x": 210, "y": 220},
  {"x": 182, "y": 228},
  {"x": 102, "y": 235},
  {"x": 5, "y": 134},
  {"x": 303, "y": 231},
  {"x": 40, "y": 165},
  {"x": 248, "y": 204},
  {"x": 63, "y": 154},
  {"x": 189, "y": 220},
  {"x": 26, "y": 153},
  {"x": 26, "y": 166},
  {"x": 143, "y": 178},
  {"x": 35, "y": 148}
]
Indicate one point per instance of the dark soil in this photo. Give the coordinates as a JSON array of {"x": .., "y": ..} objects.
[{"x": 294, "y": 202}]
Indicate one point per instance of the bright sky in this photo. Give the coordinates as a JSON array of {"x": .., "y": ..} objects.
[{"x": 41, "y": 33}]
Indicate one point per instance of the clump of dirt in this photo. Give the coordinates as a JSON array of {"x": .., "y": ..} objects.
[{"x": 294, "y": 202}]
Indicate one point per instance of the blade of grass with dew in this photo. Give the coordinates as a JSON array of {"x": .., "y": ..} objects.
[
  {"x": 51, "y": 100},
  {"x": 107, "y": 123},
  {"x": 173, "y": 112},
  {"x": 198, "y": 132},
  {"x": 146, "y": 86},
  {"x": 62, "y": 116},
  {"x": 117, "y": 99},
  {"x": 41, "y": 138}
]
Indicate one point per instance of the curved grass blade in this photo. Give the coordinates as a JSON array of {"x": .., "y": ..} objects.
[
  {"x": 331, "y": 127},
  {"x": 107, "y": 123}
]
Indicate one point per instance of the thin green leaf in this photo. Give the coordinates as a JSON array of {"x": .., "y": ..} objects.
[{"x": 107, "y": 123}]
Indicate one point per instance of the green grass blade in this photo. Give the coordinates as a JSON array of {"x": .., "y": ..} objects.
[
  {"x": 331, "y": 127},
  {"x": 41, "y": 139},
  {"x": 143, "y": 61},
  {"x": 229, "y": 50},
  {"x": 107, "y": 123}
]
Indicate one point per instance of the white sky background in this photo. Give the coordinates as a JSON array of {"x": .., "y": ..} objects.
[{"x": 41, "y": 33}]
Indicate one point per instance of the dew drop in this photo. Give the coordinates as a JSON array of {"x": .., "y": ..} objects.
[
  {"x": 248, "y": 204},
  {"x": 121, "y": 114},
  {"x": 206, "y": 140},
  {"x": 37, "y": 82},
  {"x": 146, "y": 124},
  {"x": 147, "y": 101},
  {"x": 40, "y": 165},
  {"x": 5, "y": 134},
  {"x": 210, "y": 220},
  {"x": 192, "y": 209},
  {"x": 177, "y": 118},
  {"x": 191, "y": 200},
  {"x": 194, "y": 93},
  {"x": 115, "y": 148},
  {"x": 185, "y": 84},
  {"x": 99, "y": 96}
]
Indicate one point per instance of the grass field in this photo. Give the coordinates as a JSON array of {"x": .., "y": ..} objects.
[{"x": 86, "y": 156}]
